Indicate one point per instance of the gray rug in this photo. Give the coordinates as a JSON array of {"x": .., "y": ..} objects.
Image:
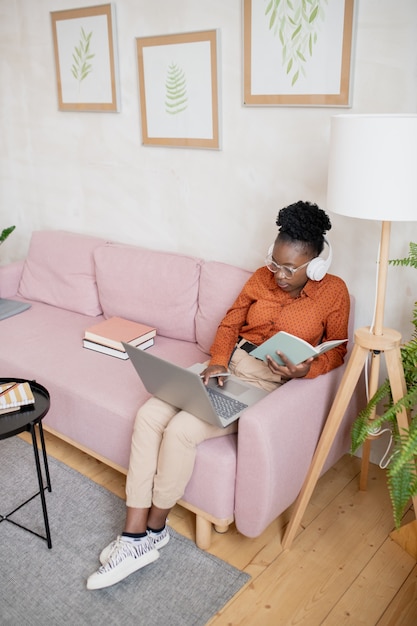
[{"x": 38, "y": 586}]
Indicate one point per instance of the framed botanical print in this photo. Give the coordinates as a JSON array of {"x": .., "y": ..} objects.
[
  {"x": 298, "y": 52},
  {"x": 85, "y": 58},
  {"x": 179, "y": 89}
]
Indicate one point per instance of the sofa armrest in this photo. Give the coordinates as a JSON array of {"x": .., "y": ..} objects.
[
  {"x": 10, "y": 278},
  {"x": 277, "y": 438}
]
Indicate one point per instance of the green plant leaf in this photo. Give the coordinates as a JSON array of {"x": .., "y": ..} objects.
[
  {"x": 410, "y": 260},
  {"x": 402, "y": 471},
  {"x": 296, "y": 32},
  {"x": 400, "y": 487},
  {"x": 297, "y": 27},
  {"x": 363, "y": 421},
  {"x": 80, "y": 68},
  {"x": 313, "y": 14},
  {"x": 176, "y": 100},
  {"x": 6, "y": 232},
  {"x": 269, "y": 7}
]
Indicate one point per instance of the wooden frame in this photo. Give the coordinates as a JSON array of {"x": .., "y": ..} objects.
[
  {"x": 295, "y": 55},
  {"x": 179, "y": 89},
  {"x": 85, "y": 58}
]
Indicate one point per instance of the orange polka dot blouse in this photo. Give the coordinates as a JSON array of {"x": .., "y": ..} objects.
[{"x": 320, "y": 313}]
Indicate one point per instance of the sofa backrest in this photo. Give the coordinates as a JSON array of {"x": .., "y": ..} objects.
[
  {"x": 148, "y": 286},
  {"x": 220, "y": 284},
  {"x": 184, "y": 297},
  {"x": 59, "y": 270}
]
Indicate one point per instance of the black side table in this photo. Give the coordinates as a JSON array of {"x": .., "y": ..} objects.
[{"x": 26, "y": 419}]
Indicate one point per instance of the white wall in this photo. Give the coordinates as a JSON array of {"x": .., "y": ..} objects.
[{"x": 88, "y": 172}]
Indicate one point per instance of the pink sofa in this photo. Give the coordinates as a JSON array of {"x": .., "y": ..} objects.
[{"x": 74, "y": 280}]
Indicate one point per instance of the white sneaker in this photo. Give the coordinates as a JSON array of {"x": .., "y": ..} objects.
[
  {"x": 159, "y": 540},
  {"x": 124, "y": 558}
]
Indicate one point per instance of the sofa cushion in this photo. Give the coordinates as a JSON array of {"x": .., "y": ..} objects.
[
  {"x": 155, "y": 288},
  {"x": 59, "y": 270},
  {"x": 220, "y": 284}
]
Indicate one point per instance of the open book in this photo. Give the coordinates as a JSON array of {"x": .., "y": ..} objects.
[{"x": 296, "y": 349}]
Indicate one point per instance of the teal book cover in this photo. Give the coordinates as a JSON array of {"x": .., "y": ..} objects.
[{"x": 296, "y": 349}]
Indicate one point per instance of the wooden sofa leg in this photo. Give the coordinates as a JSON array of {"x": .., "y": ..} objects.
[
  {"x": 203, "y": 532},
  {"x": 221, "y": 529}
]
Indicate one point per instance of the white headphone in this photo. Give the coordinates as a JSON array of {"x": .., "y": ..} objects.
[{"x": 318, "y": 267}]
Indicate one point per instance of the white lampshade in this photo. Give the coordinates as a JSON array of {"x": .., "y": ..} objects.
[{"x": 373, "y": 167}]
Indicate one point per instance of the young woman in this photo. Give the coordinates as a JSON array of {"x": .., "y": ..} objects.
[{"x": 292, "y": 292}]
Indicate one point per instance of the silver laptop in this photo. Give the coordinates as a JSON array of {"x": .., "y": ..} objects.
[{"x": 185, "y": 389}]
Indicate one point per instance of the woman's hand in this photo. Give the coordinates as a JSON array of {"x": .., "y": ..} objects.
[
  {"x": 289, "y": 370},
  {"x": 211, "y": 371}
]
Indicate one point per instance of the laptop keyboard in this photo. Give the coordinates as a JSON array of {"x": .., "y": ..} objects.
[{"x": 223, "y": 405}]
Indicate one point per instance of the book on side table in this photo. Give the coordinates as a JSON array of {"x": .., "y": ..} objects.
[
  {"x": 14, "y": 395},
  {"x": 107, "y": 336},
  {"x": 296, "y": 349}
]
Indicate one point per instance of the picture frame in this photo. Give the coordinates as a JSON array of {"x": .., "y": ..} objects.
[
  {"x": 298, "y": 53},
  {"x": 86, "y": 64},
  {"x": 179, "y": 89}
]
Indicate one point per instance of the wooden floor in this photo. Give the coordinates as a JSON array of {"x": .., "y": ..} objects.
[{"x": 343, "y": 568}]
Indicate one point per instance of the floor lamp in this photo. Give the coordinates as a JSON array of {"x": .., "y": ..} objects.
[{"x": 372, "y": 175}]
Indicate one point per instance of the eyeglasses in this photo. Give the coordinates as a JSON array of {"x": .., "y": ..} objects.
[{"x": 284, "y": 269}]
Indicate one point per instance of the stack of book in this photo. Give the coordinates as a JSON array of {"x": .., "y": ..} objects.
[
  {"x": 14, "y": 395},
  {"x": 107, "y": 336}
]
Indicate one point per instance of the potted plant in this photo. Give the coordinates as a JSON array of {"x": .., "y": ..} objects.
[
  {"x": 5, "y": 233},
  {"x": 401, "y": 471}
]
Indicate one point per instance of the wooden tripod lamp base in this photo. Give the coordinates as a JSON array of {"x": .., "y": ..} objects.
[
  {"x": 388, "y": 343},
  {"x": 371, "y": 176}
]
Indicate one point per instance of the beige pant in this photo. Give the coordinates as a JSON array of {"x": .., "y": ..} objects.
[{"x": 164, "y": 441}]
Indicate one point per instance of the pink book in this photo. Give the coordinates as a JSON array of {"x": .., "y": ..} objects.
[{"x": 113, "y": 331}]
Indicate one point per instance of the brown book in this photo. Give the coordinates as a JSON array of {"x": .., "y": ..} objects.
[{"x": 113, "y": 331}]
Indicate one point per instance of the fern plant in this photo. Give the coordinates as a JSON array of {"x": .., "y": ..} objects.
[
  {"x": 401, "y": 472},
  {"x": 176, "y": 90}
]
